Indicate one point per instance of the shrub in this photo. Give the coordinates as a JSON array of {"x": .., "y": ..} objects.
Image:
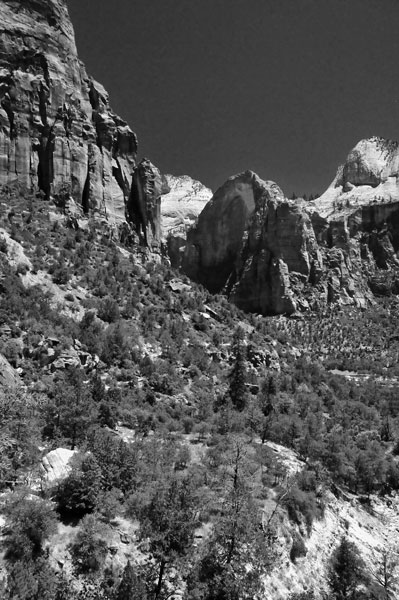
[
  {"x": 301, "y": 504},
  {"x": 31, "y": 521},
  {"x": 89, "y": 549},
  {"x": 298, "y": 548},
  {"x": 108, "y": 310},
  {"x": 77, "y": 495},
  {"x": 61, "y": 275}
]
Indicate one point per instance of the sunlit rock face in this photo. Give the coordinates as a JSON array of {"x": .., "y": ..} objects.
[
  {"x": 180, "y": 209},
  {"x": 58, "y": 133},
  {"x": 273, "y": 255}
]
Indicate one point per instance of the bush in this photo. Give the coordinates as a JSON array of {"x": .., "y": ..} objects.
[
  {"x": 31, "y": 521},
  {"x": 302, "y": 504},
  {"x": 298, "y": 548},
  {"x": 77, "y": 495},
  {"x": 89, "y": 549},
  {"x": 108, "y": 310},
  {"x": 60, "y": 275}
]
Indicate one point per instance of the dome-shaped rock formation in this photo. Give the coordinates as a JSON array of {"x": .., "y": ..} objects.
[{"x": 273, "y": 255}]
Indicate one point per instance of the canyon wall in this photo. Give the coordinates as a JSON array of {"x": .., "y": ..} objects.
[
  {"x": 272, "y": 255},
  {"x": 58, "y": 133}
]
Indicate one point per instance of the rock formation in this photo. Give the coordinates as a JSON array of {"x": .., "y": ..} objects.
[
  {"x": 56, "y": 465},
  {"x": 182, "y": 205},
  {"x": 9, "y": 377},
  {"x": 144, "y": 207},
  {"x": 180, "y": 208},
  {"x": 58, "y": 133},
  {"x": 273, "y": 255}
]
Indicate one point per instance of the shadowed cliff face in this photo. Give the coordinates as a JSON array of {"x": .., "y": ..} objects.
[
  {"x": 58, "y": 133},
  {"x": 144, "y": 207},
  {"x": 272, "y": 255}
]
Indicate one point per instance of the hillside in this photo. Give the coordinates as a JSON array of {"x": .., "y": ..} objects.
[
  {"x": 198, "y": 399},
  {"x": 119, "y": 358}
]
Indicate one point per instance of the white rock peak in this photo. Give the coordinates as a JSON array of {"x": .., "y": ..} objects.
[{"x": 182, "y": 205}]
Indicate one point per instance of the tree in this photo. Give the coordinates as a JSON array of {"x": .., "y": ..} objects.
[
  {"x": 386, "y": 574},
  {"x": 168, "y": 521},
  {"x": 131, "y": 586},
  {"x": 108, "y": 310},
  {"x": 237, "y": 378},
  {"x": 32, "y": 580},
  {"x": 89, "y": 548},
  {"x": 72, "y": 410},
  {"x": 238, "y": 553},
  {"x": 19, "y": 434},
  {"x": 346, "y": 572},
  {"x": 31, "y": 521},
  {"x": 78, "y": 493}
]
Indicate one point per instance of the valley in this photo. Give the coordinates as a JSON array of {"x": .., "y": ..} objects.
[{"x": 198, "y": 390}]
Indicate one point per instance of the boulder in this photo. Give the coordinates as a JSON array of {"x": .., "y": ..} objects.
[
  {"x": 9, "y": 377},
  {"x": 56, "y": 465},
  {"x": 66, "y": 360}
]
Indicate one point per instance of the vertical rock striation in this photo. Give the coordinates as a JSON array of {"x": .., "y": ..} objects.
[
  {"x": 58, "y": 133},
  {"x": 144, "y": 207},
  {"x": 273, "y": 255}
]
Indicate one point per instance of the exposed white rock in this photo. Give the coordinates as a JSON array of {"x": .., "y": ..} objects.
[
  {"x": 15, "y": 252},
  {"x": 369, "y": 176},
  {"x": 182, "y": 205},
  {"x": 8, "y": 375},
  {"x": 56, "y": 464}
]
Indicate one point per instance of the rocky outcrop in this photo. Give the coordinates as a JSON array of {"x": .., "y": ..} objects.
[
  {"x": 369, "y": 177},
  {"x": 58, "y": 133},
  {"x": 273, "y": 255},
  {"x": 9, "y": 377},
  {"x": 56, "y": 465}
]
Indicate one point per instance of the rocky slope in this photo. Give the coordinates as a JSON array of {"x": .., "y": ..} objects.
[
  {"x": 272, "y": 255},
  {"x": 58, "y": 133}
]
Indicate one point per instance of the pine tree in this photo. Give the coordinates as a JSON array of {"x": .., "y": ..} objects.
[
  {"x": 168, "y": 522},
  {"x": 131, "y": 586},
  {"x": 386, "y": 573},
  {"x": 347, "y": 572},
  {"x": 237, "y": 388}
]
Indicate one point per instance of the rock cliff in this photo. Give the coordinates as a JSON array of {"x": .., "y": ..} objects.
[
  {"x": 58, "y": 133},
  {"x": 144, "y": 206},
  {"x": 273, "y": 255},
  {"x": 180, "y": 208}
]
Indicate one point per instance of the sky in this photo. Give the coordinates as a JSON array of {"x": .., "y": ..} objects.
[{"x": 214, "y": 87}]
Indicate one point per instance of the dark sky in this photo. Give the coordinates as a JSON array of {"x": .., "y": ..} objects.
[{"x": 213, "y": 87}]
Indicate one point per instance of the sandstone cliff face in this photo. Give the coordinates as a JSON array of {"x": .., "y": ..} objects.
[
  {"x": 272, "y": 255},
  {"x": 182, "y": 204},
  {"x": 58, "y": 133},
  {"x": 144, "y": 207},
  {"x": 213, "y": 245},
  {"x": 180, "y": 209}
]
